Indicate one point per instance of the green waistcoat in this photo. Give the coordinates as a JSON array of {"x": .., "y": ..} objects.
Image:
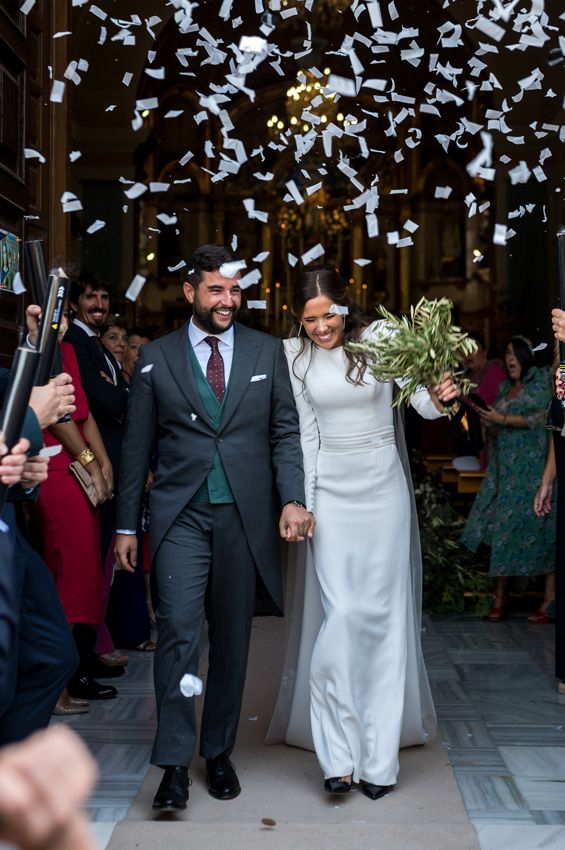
[{"x": 216, "y": 489}]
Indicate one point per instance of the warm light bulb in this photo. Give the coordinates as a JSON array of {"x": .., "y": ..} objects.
[
  {"x": 145, "y": 113},
  {"x": 285, "y": 307},
  {"x": 267, "y": 290},
  {"x": 274, "y": 119},
  {"x": 340, "y": 116},
  {"x": 278, "y": 286},
  {"x": 280, "y": 125},
  {"x": 327, "y": 71},
  {"x": 305, "y": 128},
  {"x": 364, "y": 286},
  {"x": 294, "y": 120},
  {"x": 324, "y": 119},
  {"x": 150, "y": 257}
]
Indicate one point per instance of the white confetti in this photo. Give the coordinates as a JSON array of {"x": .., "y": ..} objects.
[
  {"x": 135, "y": 287},
  {"x": 260, "y": 258},
  {"x": 96, "y": 225},
  {"x": 18, "y": 285},
  {"x": 30, "y": 153},
  {"x": 190, "y": 686},
  {"x": 27, "y": 6},
  {"x": 147, "y": 368},
  {"x": 135, "y": 191},
  {"x": 57, "y": 91},
  {"x": 313, "y": 254},
  {"x": 251, "y": 278},
  {"x": 338, "y": 310},
  {"x": 257, "y": 305},
  {"x": 74, "y": 155},
  {"x": 361, "y": 261},
  {"x": 230, "y": 269}
]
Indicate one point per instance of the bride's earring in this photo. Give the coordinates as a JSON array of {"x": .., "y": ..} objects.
[{"x": 299, "y": 332}]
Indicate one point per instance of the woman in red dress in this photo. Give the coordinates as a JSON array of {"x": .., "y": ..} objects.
[{"x": 68, "y": 522}]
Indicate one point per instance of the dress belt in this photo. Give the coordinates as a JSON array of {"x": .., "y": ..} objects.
[{"x": 365, "y": 440}]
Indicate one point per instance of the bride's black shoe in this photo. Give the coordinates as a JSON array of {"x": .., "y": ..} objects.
[
  {"x": 337, "y": 785},
  {"x": 374, "y": 791}
]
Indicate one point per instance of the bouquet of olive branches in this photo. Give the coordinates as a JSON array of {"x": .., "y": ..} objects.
[{"x": 419, "y": 348}]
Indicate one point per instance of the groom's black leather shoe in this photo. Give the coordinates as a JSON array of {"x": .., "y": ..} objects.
[
  {"x": 172, "y": 794},
  {"x": 374, "y": 791},
  {"x": 222, "y": 779}
]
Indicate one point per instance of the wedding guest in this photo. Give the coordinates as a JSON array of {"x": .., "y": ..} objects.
[
  {"x": 521, "y": 544},
  {"x": 69, "y": 529},
  {"x": 136, "y": 338},
  {"x": 114, "y": 337},
  {"x": 369, "y": 692}
]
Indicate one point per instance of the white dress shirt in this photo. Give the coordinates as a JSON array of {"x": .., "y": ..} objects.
[{"x": 203, "y": 351}]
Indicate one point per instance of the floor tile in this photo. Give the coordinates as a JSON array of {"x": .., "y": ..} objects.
[
  {"x": 102, "y": 832},
  {"x": 541, "y": 794},
  {"x": 466, "y": 733},
  {"x": 483, "y": 791},
  {"x": 535, "y": 762},
  {"x": 523, "y": 837}
]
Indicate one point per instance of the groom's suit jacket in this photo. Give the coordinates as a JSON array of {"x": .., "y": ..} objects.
[{"x": 258, "y": 440}]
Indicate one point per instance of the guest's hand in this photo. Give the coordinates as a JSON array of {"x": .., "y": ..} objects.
[
  {"x": 558, "y": 324},
  {"x": 296, "y": 523},
  {"x": 444, "y": 392},
  {"x": 542, "y": 499},
  {"x": 44, "y": 781},
  {"x": 108, "y": 474},
  {"x": 12, "y": 463},
  {"x": 100, "y": 483},
  {"x": 150, "y": 480},
  {"x": 125, "y": 550},
  {"x": 491, "y": 416},
  {"x": 35, "y": 471},
  {"x": 33, "y": 315},
  {"x": 54, "y": 400}
]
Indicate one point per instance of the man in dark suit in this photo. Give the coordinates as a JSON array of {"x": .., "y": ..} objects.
[
  {"x": 217, "y": 397},
  {"x": 101, "y": 376}
]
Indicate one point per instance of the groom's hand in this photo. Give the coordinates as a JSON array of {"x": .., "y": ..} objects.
[
  {"x": 296, "y": 523},
  {"x": 125, "y": 551}
]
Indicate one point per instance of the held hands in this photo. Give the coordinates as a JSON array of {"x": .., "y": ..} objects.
[
  {"x": 125, "y": 551},
  {"x": 54, "y": 400},
  {"x": 296, "y": 523},
  {"x": 444, "y": 392},
  {"x": 12, "y": 464},
  {"x": 558, "y": 324},
  {"x": 101, "y": 485}
]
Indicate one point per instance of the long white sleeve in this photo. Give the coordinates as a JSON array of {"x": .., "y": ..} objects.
[{"x": 309, "y": 433}]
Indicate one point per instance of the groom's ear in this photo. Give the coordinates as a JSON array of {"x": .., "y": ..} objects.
[{"x": 189, "y": 292}]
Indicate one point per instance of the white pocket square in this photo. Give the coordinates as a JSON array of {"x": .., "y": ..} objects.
[{"x": 258, "y": 378}]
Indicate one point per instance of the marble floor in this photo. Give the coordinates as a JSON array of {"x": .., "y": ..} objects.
[{"x": 501, "y": 722}]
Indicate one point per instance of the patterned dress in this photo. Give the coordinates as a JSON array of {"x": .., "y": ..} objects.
[{"x": 502, "y": 515}]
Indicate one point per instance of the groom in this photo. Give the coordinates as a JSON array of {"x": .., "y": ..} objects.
[{"x": 216, "y": 397}]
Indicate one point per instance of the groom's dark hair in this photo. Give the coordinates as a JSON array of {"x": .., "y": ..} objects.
[{"x": 207, "y": 258}]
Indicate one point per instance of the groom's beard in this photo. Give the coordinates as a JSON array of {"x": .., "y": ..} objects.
[{"x": 204, "y": 318}]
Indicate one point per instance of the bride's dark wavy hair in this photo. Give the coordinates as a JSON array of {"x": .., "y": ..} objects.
[{"x": 325, "y": 281}]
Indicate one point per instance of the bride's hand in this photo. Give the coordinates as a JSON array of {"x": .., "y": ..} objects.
[
  {"x": 296, "y": 523},
  {"x": 444, "y": 392}
]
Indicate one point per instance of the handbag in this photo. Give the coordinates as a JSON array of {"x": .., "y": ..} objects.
[{"x": 85, "y": 481}]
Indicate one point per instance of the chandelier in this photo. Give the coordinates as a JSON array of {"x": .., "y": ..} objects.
[{"x": 309, "y": 104}]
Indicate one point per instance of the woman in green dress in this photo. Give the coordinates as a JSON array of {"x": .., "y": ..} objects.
[{"x": 521, "y": 543}]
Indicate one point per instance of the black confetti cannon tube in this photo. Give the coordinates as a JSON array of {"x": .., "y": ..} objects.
[
  {"x": 51, "y": 317},
  {"x": 16, "y": 400},
  {"x": 35, "y": 270},
  {"x": 560, "y": 254}
]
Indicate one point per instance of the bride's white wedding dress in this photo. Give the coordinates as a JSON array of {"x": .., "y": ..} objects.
[{"x": 354, "y": 687}]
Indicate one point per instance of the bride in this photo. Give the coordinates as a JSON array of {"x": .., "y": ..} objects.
[{"x": 354, "y": 686}]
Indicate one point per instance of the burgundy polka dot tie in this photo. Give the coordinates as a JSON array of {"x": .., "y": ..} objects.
[{"x": 215, "y": 369}]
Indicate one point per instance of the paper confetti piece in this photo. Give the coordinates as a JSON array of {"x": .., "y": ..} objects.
[
  {"x": 135, "y": 287},
  {"x": 257, "y": 305},
  {"x": 135, "y": 191},
  {"x": 338, "y": 310},
  {"x": 96, "y": 225},
  {"x": 230, "y": 269},
  {"x": 147, "y": 368},
  {"x": 31, "y": 153},
  {"x": 313, "y": 254},
  {"x": 251, "y": 278},
  {"x": 190, "y": 686},
  {"x": 18, "y": 285}
]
